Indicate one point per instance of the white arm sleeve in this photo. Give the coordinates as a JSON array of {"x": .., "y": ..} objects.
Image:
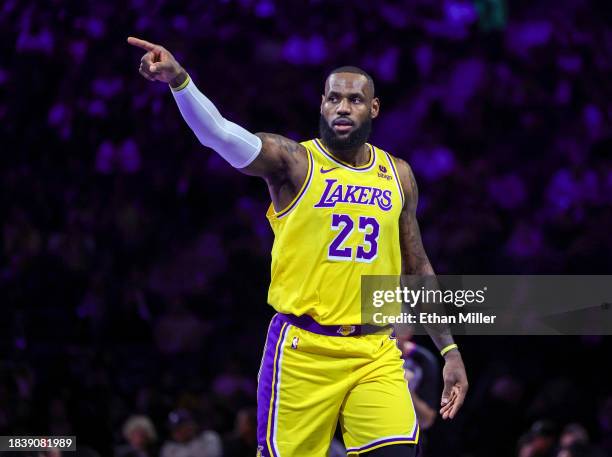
[{"x": 235, "y": 144}]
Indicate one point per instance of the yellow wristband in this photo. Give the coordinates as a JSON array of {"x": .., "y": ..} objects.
[
  {"x": 448, "y": 348},
  {"x": 183, "y": 85}
]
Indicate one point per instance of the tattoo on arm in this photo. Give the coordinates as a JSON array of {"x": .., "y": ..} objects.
[
  {"x": 414, "y": 259},
  {"x": 413, "y": 253},
  {"x": 278, "y": 155},
  {"x": 278, "y": 145}
]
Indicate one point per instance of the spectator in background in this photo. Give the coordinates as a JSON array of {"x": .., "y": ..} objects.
[
  {"x": 605, "y": 424},
  {"x": 579, "y": 449},
  {"x": 139, "y": 432},
  {"x": 243, "y": 440},
  {"x": 573, "y": 433},
  {"x": 539, "y": 441},
  {"x": 187, "y": 440},
  {"x": 179, "y": 330}
]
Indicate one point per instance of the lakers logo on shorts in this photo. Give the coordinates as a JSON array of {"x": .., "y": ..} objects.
[{"x": 346, "y": 330}]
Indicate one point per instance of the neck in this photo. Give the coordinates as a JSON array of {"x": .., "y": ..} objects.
[{"x": 355, "y": 157}]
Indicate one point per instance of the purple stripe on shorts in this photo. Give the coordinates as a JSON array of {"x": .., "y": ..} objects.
[
  {"x": 277, "y": 370},
  {"x": 407, "y": 440},
  {"x": 264, "y": 386}
]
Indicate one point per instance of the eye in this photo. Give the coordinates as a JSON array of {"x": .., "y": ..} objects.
[
  {"x": 356, "y": 100},
  {"x": 332, "y": 98}
]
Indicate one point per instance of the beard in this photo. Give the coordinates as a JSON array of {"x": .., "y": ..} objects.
[{"x": 352, "y": 141}]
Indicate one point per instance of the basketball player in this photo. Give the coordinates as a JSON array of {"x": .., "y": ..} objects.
[{"x": 341, "y": 208}]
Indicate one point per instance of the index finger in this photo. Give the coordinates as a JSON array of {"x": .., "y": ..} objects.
[
  {"x": 458, "y": 404},
  {"x": 448, "y": 406},
  {"x": 141, "y": 43}
]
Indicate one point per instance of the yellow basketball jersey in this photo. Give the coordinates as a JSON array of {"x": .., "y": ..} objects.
[{"x": 342, "y": 224}]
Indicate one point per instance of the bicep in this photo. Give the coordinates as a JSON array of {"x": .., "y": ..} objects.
[
  {"x": 414, "y": 257},
  {"x": 278, "y": 159}
]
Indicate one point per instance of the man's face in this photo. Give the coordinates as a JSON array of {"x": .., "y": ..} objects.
[
  {"x": 184, "y": 432},
  {"x": 138, "y": 438},
  {"x": 347, "y": 109}
]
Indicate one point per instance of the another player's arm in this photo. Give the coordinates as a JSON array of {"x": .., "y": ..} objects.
[
  {"x": 416, "y": 262},
  {"x": 426, "y": 415},
  {"x": 281, "y": 161}
]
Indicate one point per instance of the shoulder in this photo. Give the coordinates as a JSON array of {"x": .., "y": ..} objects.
[
  {"x": 402, "y": 167},
  {"x": 406, "y": 177}
]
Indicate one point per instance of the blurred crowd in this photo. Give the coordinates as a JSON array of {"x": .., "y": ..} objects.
[{"x": 134, "y": 263}]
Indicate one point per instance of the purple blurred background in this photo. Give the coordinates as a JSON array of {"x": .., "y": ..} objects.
[{"x": 135, "y": 263}]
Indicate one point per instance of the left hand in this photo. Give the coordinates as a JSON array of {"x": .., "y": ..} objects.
[
  {"x": 455, "y": 385},
  {"x": 408, "y": 375}
]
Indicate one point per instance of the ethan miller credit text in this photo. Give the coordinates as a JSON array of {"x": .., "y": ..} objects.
[{"x": 434, "y": 318}]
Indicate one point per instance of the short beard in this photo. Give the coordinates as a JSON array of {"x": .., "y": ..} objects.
[{"x": 355, "y": 139}]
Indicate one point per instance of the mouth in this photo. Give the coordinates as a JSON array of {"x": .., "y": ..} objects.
[{"x": 342, "y": 125}]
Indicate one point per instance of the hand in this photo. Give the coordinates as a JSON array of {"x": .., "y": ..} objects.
[
  {"x": 408, "y": 375},
  {"x": 158, "y": 64},
  {"x": 455, "y": 385}
]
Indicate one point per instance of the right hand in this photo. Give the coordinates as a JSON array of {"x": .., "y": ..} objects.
[
  {"x": 158, "y": 64},
  {"x": 455, "y": 384}
]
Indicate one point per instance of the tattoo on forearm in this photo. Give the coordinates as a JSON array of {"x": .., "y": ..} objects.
[{"x": 415, "y": 260}]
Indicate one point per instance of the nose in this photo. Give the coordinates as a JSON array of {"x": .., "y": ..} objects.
[{"x": 344, "y": 107}]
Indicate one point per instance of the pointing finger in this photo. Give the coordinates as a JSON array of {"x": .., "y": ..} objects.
[{"x": 141, "y": 43}]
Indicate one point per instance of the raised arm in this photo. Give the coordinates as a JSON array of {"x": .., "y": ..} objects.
[
  {"x": 281, "y": 161},
  {"x": 416, "y": 262}
]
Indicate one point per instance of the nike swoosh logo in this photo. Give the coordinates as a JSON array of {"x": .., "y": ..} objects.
[{"x": 327, "y": 171}]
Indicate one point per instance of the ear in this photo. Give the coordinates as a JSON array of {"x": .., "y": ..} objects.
[
  {"x": 374, "y": 110},
  {"x": 322, "y": 102}
]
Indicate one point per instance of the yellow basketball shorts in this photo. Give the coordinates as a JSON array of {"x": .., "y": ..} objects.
[{"x": 309, "y": 381}]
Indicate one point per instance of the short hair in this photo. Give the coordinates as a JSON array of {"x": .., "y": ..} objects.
[
  {"x": 142, "y": 422},
  {"x": 356, "y": 70}
]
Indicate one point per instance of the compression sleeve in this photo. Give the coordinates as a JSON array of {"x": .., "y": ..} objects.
[{"x": 232, "y": 142}]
